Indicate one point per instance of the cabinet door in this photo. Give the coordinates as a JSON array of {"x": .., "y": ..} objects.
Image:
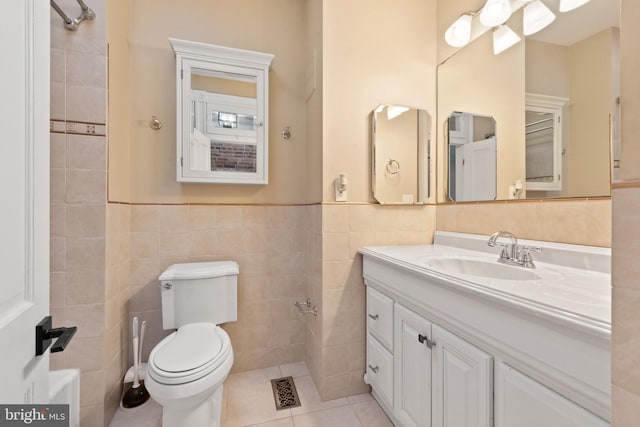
[
  {"x": 524, "y": 402},
  {"x": 412, "y": 369},
  {"x": 462, "y": 382}
]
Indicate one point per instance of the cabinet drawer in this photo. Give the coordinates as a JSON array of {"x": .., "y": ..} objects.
[
  {"x": 380, "y": 317},
  {"x": 380, "y": 370}
]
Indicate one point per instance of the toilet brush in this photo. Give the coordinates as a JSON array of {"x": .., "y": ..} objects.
[{"x": 137, "y": 394}]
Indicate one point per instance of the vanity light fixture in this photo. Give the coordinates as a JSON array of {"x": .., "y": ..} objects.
[
  {"x": 567, "y": 5},
  {"x": 503, "y": 38},
  {"x": 495, "y": 12},
  {"x": 536, "y": 17},
  {"x": 459, "y": 33}
]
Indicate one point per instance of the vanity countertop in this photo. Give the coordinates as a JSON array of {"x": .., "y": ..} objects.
[{"x": 578, "y": 295}]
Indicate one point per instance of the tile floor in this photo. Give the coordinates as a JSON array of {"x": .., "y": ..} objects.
[{"x": 248, "y": 402}]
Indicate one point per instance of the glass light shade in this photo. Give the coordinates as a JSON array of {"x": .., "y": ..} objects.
[
  {"x": 495, "y": 12},
  {"x": 567, "y": 5},
  {"x": 536, "y": 16},
  {"x": 459, "y": 33},
  {"x": 503, "y": 38}
]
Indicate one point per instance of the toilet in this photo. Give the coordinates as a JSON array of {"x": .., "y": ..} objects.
[{"x": 185, "y": 371}]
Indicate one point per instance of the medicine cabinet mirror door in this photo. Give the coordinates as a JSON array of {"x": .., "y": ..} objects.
[
  {"x": 222, "y": 117},
  {"x": 400, "y": 139}
]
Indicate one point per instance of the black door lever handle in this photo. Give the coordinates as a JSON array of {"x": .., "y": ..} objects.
[{"x": 45, "y": 333}]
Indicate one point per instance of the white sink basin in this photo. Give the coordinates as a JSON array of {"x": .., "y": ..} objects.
[{"x": 480, "y": 268}]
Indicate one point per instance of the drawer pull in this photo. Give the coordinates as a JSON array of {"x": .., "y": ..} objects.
[
  {"x": 374, "y": 369},
  {"x": 374, "y": 316},
  {"x": 425, "y": 340}
]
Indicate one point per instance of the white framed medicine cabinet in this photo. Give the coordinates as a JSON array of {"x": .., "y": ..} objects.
[{"x": 222, "y": 117}]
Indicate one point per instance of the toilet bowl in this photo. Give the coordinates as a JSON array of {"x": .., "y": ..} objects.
[{"x": 186, "y": 370}]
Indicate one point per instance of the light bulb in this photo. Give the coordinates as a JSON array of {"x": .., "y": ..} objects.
[
  {"x": 495, "y": 12},
  {"x": 459, "y": 33},
  {"x": 503, "y": 38},
  {"x": 536, "y": 16}
]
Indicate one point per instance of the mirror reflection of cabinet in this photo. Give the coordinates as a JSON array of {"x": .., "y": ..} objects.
[
  {"x": 400, "y": 154},
  {"x": 543, "y": 140},
  {"x": 222, "y": 114}
]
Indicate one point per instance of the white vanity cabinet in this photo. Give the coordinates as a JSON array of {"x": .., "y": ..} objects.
[
  {"x": 480, "y": 354},
  {"x": 429, "y": 377}
]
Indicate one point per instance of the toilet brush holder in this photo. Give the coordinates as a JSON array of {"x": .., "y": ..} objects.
[{"x": 135, "y": 396}]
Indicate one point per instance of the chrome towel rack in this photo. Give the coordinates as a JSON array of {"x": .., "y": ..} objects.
[
  {"x": 72, "y": 24},
  {"x": 305, "y": 307}
]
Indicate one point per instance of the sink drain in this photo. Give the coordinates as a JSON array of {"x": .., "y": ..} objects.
[{"x": 285, "y": 393}]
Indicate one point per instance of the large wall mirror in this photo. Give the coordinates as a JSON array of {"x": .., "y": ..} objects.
[
  {"x": 222, "y": 114},
  {"x": 554, "y": 98},
  {"x": 400, "y": 154}
]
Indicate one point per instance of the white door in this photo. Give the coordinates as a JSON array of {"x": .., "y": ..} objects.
[
  {"x": 476, "y": 170},
  {"x": 24, "y": 186},
  {"x": 412, "y": 369},
  {"x": 462, "y": 382},
  {"x": 524, "y": 402}
]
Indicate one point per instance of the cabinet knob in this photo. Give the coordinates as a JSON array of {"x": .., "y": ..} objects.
[
  {"x": 374, "y": 368},
  {"x": 374, "y": 316},
  {"x": 423, "y": 339}
]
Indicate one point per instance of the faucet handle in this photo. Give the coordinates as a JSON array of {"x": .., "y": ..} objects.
[
  {"x": 528, "y": 249},
  {"x": 525, "y": 250}
]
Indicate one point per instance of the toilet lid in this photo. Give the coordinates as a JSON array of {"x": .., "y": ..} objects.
[{"x": 191, "y": 347}]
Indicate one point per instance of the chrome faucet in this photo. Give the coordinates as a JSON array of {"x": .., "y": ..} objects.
[{"x": 514, "y": 253}]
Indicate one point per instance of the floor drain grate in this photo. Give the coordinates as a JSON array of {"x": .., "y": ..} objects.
[{"x": 285, "y": 393}]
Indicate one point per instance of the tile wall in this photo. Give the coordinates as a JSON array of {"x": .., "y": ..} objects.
[
  {"x": 336, "y": 339},
  {"x": 78, "y": 204},
  {"x": 268, "y": 242},
  {"x": 576, "y": 221}
]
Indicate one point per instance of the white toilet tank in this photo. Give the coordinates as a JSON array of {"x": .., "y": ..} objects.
[{"x": 199, "y": 292}]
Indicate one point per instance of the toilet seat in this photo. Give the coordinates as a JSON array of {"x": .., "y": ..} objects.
[{"x": 191, "y": 353}]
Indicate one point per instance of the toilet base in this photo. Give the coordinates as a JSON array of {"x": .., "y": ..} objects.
[{"x": 206, "y": 414}]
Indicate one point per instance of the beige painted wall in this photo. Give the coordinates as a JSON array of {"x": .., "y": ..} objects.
[
  {"x": 118, "y": 102},
  {"x": 477, "y": 81},
  {"x": 591, "y": 105},
  {"x": 373, "y": 54},
  {"x": 275, "y": 26},
  {"x": 313, "y": 89},
  {"x": 546, "y": 69}
]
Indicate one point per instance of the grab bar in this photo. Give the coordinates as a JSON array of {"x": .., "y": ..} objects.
[{"x": 72, "y": 24}]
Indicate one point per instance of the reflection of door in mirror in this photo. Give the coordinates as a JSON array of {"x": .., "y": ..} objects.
[
  {"x": 400, "y": 141},
  {"x": 472, "y": 157},
  {"x": 223, "y": 126}
]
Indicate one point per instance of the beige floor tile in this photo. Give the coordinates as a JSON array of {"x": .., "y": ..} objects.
[
  {"x": 147, "y": 415},
  {"x": 357, "y": 398},
  {"x": 295, "y": 370},
  {"x": 252, "y": 403},
  {"x": 310, "y": 398},
  {"x": 285, "y": 422},
  {"x": 343, "y": 416},
  {"x": 371, "y": 415},
  {"x": 249, "y": 378}
]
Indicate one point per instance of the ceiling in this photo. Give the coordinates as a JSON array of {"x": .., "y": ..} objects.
[{"x": 578, "y": 24}]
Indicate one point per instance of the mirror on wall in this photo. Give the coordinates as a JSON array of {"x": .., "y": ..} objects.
[
  {"x": 472, "y": 157},
  {"x": 222, "y": 114},
  {"x": 554, "y": 95},
  {"x": 400, "y": 154}
]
